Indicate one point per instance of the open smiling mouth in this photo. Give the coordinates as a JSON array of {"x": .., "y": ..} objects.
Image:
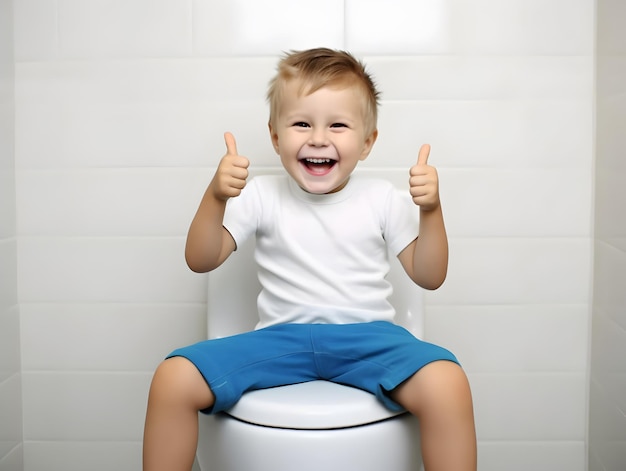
[{"x": 318, "y": 166}]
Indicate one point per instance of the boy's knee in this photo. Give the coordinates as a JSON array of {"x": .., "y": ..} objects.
[
  {"x": 443, "y": 378},
  {"x": 436, "y": 382},
  {"x": 178, "y": 380}
]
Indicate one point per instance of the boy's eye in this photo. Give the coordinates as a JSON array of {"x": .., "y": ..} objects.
[
  {"x": 301, "y": 124},
  {"x": 338, "y": 125}
]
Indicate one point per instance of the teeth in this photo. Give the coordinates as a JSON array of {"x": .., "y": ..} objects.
[{"x": 318, "y": 161}]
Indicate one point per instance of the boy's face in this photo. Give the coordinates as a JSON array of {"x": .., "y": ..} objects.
[{"x": 322, "y": 136}]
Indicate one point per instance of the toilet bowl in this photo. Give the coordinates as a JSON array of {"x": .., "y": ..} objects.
[{"x": 308, "y": 426}]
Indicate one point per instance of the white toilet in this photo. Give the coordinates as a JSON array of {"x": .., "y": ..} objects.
[{"x": 310, "y": 426}]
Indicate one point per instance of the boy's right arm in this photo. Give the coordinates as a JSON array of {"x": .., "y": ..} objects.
[{"x": 208, "y": 242}]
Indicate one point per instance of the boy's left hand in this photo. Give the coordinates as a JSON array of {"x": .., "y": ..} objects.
[{"x": 424, "y": 182}]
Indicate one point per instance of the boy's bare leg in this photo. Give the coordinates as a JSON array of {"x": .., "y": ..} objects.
[
  {"x": 177, "y": 393},
  {"x": 439, "y": 396}
]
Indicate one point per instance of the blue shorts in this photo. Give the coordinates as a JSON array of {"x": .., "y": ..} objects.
[{"x": 375, "y": 356}]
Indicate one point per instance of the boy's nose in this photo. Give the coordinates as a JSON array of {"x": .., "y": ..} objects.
[{"x": 318, "y": 138}]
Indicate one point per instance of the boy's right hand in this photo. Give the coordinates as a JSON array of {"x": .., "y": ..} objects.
[{"x": 232, "y": 172}]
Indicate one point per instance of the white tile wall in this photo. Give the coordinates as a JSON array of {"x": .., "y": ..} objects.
[
  {"x": 114, "y": 409},
  {"x": 11, "y": 450},
  {"x": 607, "y": 421},
  {"x": 522, "y": 335},
  {"x": 81, "y": 455},
  {"x": 538, "y": 456},
  {"x": 480, "y": 27},
  {"x": 155, "y": 113},
  {"x": 10, "y": 414},
  {"x": 103, "y": 269},
  {"x": 120, "y": 110},
  {"x": 86, "y": 337},
  {"x": 251, "y": 28}
]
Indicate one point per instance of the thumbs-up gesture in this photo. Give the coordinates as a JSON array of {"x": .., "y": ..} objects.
[
  {"x": 232, "y": 172},
  {"x": 424, "y": 182}
]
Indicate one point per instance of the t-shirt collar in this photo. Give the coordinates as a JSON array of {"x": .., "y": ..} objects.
[{"x": 328, "y": 198}]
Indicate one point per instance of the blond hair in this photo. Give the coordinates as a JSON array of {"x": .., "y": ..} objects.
[{"x": 321, "y": 67}]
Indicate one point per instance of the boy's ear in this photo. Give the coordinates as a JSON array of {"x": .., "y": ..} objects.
[
  {"x": 273, "y": 136},
  {"x": 368, "y": 144}
]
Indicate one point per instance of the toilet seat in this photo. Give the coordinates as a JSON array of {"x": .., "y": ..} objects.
[{"x": 315, "y": 405}]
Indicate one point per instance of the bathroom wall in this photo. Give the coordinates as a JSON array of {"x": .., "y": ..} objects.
[
  {"x": 607, "y": 424},
  {"x": 120, "y": 110},
  {"x": 10, "y": 376}
]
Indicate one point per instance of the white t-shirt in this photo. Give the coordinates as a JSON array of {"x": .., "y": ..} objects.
[{"x": 323, "y": 258}]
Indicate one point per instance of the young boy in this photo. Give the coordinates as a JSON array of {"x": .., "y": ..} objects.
[{"x": 322, "y": 238}]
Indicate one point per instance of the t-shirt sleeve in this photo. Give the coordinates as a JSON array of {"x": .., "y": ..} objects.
[
  {"x": 402, "y": 220},
  {"x": 242, "y": 213}
]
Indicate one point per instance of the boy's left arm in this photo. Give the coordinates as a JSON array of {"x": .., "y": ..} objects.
[{"x": 426, "y": 258}]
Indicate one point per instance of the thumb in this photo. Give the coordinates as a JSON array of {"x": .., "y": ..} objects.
[
  {"x": 231, "y": 144},
  {"x": 422, "y": 158}
]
